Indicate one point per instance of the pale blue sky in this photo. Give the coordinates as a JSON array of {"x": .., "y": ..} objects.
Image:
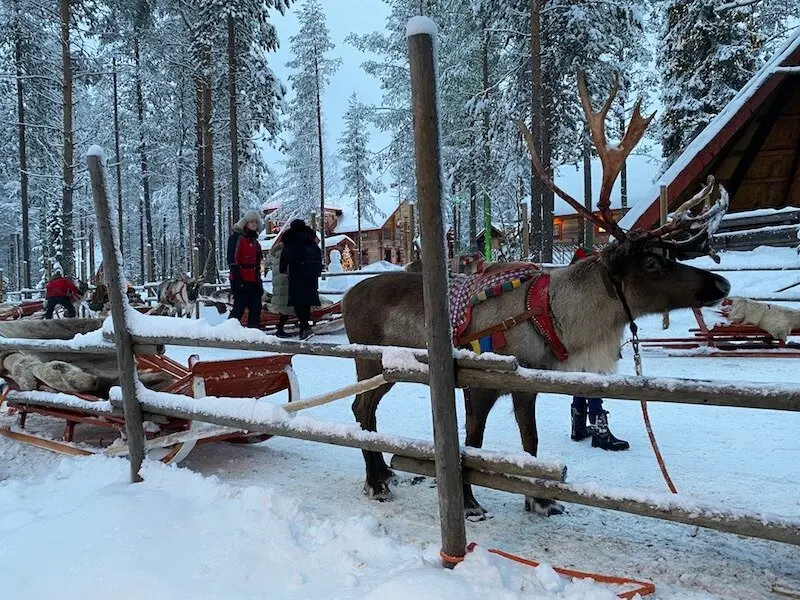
[{"x": 344, "y": 17}]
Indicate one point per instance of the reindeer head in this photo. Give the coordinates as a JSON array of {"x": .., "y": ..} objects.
[{"x": 639, "y": 266}]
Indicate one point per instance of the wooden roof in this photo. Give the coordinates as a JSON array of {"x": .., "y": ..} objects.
[{"x": 752, "y": 147}]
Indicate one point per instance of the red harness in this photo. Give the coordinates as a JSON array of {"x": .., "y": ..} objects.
[{"x": 537, "y": 311}]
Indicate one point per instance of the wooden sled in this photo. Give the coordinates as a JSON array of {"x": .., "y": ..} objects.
[
  {"x": 168, "y": 439},
  {"x": 324, "y": 320},
  {"x": 25, "y": 309},
  {"x": 728, "y": 340}
]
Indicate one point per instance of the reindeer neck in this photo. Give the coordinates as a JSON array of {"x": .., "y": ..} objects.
[{"x": 589, "y": 317}]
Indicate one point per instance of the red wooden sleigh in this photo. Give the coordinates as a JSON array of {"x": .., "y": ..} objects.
[
  {"x": 25, "y": 309},
  {"x": 324, "y": 319},
  {"x": 728, "y": 340},
  {"x": 238, "y": 378}
]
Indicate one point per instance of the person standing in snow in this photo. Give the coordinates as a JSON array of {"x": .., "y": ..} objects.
[
  {"x": 244, "y": 262},
  {"x": 280, "y": 292},
  {"x": 60, "y": 291},
  {"x": 301, "y": 259},
  {"x": 592, "y": 408}
]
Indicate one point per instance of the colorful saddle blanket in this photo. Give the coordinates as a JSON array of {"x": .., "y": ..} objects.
[{"x": 466, "y": 291}]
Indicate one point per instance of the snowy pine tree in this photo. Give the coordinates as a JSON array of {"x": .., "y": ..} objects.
[
  {"x": 305, "y": 164},
  {"x": 357, "y": 165},
  {"x": 706, "y": 57}
]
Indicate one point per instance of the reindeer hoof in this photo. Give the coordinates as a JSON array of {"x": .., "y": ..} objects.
[
  {"x": 543, "y": 507},
  {"x": 379, "y": 492},
  {"x": 475, "y": 512}
]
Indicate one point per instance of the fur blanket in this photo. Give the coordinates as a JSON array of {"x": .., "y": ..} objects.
[{"x": 778, "y": 321}]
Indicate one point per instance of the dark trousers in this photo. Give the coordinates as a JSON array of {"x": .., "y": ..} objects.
[
  {"x": 595, "y": 405},
  {"x": 303, "y": 313},
  {"x": 54, "y": 301},
  {"x": 282, "y": 321},
  {"x": 247, "y": 295}
]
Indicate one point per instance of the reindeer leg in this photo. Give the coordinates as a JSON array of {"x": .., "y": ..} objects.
[
  {"x": 525, "y": 413},
  {"x": 478, "y": 403},
  {"x": 365, "y": 407}
]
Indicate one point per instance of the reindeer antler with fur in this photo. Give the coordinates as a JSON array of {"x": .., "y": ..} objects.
[{"x": 684, "y": 229}]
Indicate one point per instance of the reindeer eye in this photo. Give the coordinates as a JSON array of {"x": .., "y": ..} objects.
[{"x": 651, "y": 264}]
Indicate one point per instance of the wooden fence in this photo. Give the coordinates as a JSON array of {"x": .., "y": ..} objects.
[{"x": 444, "y": 458}]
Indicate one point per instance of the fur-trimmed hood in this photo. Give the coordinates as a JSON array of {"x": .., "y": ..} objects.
[{"x": 250, "y": 215}]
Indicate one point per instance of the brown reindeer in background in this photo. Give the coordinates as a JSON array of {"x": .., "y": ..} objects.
[{"x": 590, "y": 302}]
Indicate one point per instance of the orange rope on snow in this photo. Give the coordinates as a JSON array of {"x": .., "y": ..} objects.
[
  {"x": 656, "y": 451},
  {"x": 644, "y": 588},
  {"x": 452, "y": 560}
]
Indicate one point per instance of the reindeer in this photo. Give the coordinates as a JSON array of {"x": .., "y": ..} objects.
[
  {"x": 179, "y": 295},
  {"x": 588, "y": 304}
]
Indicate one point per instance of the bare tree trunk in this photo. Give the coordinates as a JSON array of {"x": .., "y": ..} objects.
[
  {"x": 142, "y": 242},
  {"x": 200, "y": 212},
  {"x": 473, "y": 217},
  {"x": 23, "y": 167},
  {"x": 548, "y": 198},
  {"x": 358, "y": 211},
  {"x": 209, "y": 256},
  {"x": 179, "y": 172},
  {"x": 321, "y": 162},
  {"x": 588, "y": 227},
  {"x": 487, "y": 201},
  {"x": 536, "y": 130},
  {"x": 148, "y": 217},
  {"x": 233, "y": 118},
  {"x": 68, "y": 251},
  {"x": 117, "y": 153}
]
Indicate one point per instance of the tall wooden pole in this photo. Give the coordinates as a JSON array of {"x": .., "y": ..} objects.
[
  {"x": 663, "y": 205},
  {"x": 112, "y": 270},
  {"x": 232, "y": 113},
  {"x": 118, "y": 166},
  {"x": 23, "y": 166},
  {"x": 68, "y": 168},
  {"x": 421, "y": 41},
  {"x": 526, "y": 240},
  {"x": 321, "y": 160}
]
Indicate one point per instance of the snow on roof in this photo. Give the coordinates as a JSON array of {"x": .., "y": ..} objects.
[
  {"x": 772, "y": 66},
  {"x": 641, "y": 172},
  {"x": 762, "y": 212},
  {"x": 386, "y": 201},
  {"x": 275, "y": 201},
  {"x": 335, "y": 240}
]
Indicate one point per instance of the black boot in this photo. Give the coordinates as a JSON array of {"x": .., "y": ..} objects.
[
  {"x": 602, "y": 436},
  {"x": 579, "y": 429}
]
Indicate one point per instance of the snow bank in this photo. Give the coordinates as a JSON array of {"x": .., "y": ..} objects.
[{"x": 179, "y": 535}]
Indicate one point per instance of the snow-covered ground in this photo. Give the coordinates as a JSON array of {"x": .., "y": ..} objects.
[{"x": 287, "y": 518}]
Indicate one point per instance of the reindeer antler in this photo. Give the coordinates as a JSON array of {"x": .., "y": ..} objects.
[
  {"x": 547, "y": 180},
  {"x": 684, "y": 229},
  {"x": 611, "y": 157}
]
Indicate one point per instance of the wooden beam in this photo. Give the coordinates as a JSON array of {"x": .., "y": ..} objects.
[
  {"x": 272, "y": 344},
  {"x": 112, "y": 271},
  {"x": 46, "y": 444},
  {"x": 710, "y": 516},
  {"x": 524, "y": 465},
  {"x": 425, "y": 109},
  {"x": 658, "y": 389}
]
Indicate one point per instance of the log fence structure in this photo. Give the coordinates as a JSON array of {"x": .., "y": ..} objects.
[{"x": 441, "y": 367}]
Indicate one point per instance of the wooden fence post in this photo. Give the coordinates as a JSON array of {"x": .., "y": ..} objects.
[
  {"x": 109, "y": 243},
  {"x": 421, "y": 33},
  {"x": 663, "y": 201},
  {"x": 196, "y": 262}
]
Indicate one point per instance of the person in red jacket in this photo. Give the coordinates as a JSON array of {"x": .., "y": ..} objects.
[
  {"x": 60, "y": 290},
  {"x": 244, "y": 262}
]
